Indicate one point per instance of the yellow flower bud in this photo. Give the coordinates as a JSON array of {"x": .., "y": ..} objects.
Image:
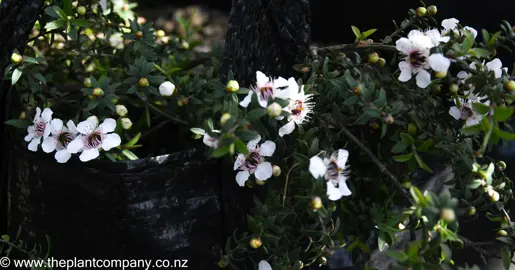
[
  {"x": 255, "y": 242},
  {"x": 160, "y": 33},
  {"x": 441, "y": 74},
  {"x": 126, "y": 123},
  {"x": 139, "y": 34},
  {"x": 232, "y": 86},
  {"x": 98, "y": 92},
  {"x": 274, "y": 110},
  {"x": 81, "y": 10},
  {"x": 448, "y": 215},
  {"x": 421, "y": 11},
  {"x": 453, "y": 88},
  {"x": 225, "y": 117},
  {"x": 143, "y": 82},
  {"x": 16, "y": 58},
  {"x": 381, "y": 62},
  {"x": 276, "y": 170},
  {"x": 121, "y": 110},
  {"x": 471, "y": 211},
  {"x": 501, "y": 165},
  {"x": 373, "y": 58},
  {"x": 315, "y": 203},
  {"x": 87, "y": 82},
  {"x": 389, "y": 119},
  {"x": 510, "y": 85},
  {"x": 432, "y": 10}
]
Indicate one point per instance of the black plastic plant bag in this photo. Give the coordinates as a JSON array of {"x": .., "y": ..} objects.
[{"x": 166, "y": 207}]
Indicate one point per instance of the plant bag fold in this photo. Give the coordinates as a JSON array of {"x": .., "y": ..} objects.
[{"x": 164, "y": 207}]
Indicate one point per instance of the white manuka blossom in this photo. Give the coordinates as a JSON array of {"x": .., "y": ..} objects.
[
  {"x": 264, "y": 265},
  {"x": 450, "y": 25},
  {"x": 40, "y": 130},
  {"x": 436, "y": 37},
  {"x": 59, "y": 140},
  {"x": 300, "y": 108},
  {"x": 334, "y": 171},
  {"x": 496, "y": 66},
  {"x": 254, "y": 162},
  {"x": 268, "y": 88},
  {"x": 92, "y": 137},
  {"x": 416, "y": 49},
  {"x": 211, "y": 142},
  {"x": 466, "y": 111}
]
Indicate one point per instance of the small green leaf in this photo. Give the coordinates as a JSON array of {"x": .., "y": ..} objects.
[
  {"x": 241, "y": 147},
  {"x": 503, "y": 134},
  {"x": 403, "y": 158},
  {"x": 92, "y": 104},
  {"x": 247, "y": 135},
  {"x": 129, "y": 154},
  {"x": 381, "y": 99},
  {"x": 474, "y": 184},
  {"x": 398, "y": 255},
  {"x": 55, "y": 25},
  {"x": 407, "y": 139},
  {"x": 486, "y": 35},
  {"x": 81, "y": 23},
  {"x": 425, "y": 146},
  {"x": 422, "y": 164},
  {"x": 503, "y": 113},
  {"x": 399, "y": 147},
  {"x": 16, "y": 75},
  {"x": 68, "y": 7},
  {"x": 56, "y": 12},
  {"x": 27, "y": 59},
  {"x": 221, "y": 151},
  {"x": 18, "y": 123},
  {"x": 256, "y": 114},
  {"x": 418, "y": 196},
  {"x": 481, "y": 108},
  {"x": 479, "y": 53},
  {"x": 356, "y": 31},
  {"x": 314, "y": 148},
  {"x": 351, "y": 101},
  {"x": 368, "y": 33},
  {"x": 198, "y": 131},
  {"x": 506, "y": 258},
  {"x": 372, "y": 112},
  {"x": 134, "y": 140},
  {"x": 471, "y": 130}
]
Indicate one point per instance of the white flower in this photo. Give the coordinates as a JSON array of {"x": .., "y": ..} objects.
[
  {"x": 254, "y": 162},
  {"x": 93, "y": 119},
  {"x": 416, "y": 49},
  {"x": 121, "y": 110},
  {"x": 334, "y": 171},
  {"x": 436, "y": 37},
  {"x": 450, "y": 25},
  {"x": 264, "y": 265},
  {"x": 40, "y": 129},
  {"x": 166, "y": 89},
  {"x": 59, "y": 140},
  {"x": 211, "y": 141},
  {"x": 103, "y": 4},
  {"x": 300, "y": 108},
  {"x": 92, "y": 137},
  {"x": 116, "y": 40},
  {"x": 466, "y": 111},
  {"x": 471, "y": 30},
  {"x": 496, "y": 66},
  {"x": 267, "y": 88}
]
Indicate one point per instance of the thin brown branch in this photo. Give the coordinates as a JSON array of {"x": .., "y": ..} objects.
[
  {"x": 474, "y": 246},
  {"x": 352, "y": 47},
  {"x": 374, "y": 159}
]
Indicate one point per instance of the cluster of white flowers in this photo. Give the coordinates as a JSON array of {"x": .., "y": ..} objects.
[
  {"x": 464, "y": 108},
  {"x": 333, "y": 170},
  {"x": 85, "y": 138}
]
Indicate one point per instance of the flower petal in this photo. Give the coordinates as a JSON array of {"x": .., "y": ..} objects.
[
  {"x": 86, "y": 127},
  {"x": 494, "y": 64},
  {"x": 463, "y": 75},
  {"x": 263, "y": 171},
  {"x": 89, "y": 154},
  {"x": 264, "y": 265},
  {"x": 344, "y": 189},
  {"x": 38, "y": 114},
  {"x": 267, "y": 149},
  {"x": 472, "y": 121},
  {"x": 438, "y": 62},
  {"x": 261, "y": 78},
  {"x": 76, "y": 145},
  {"x": 62, "y": 156},
  {"x": 57, "y": 125},
  {"x": 341, "y": 160},
  {"x": 48, "y": 129},
  {"x": 210, "y": 141},
  {"x": 251, "y": 145},
  {"x": 109, "y": 125},
  {"x": 47, "y": 115},
  {"x": 317, "y": 167},
  {"x": 471, "y": 30},
  {"x": 30, "y": 134},
  {"x": 333, "y": 192},
  {"x": 240, "y": 159},
  {"x": 33, "y": 145},
  {"x": 72, "y": 127},
  {"x": 246, "y": 101},
  {"x": 110, "y": 141},
  {"x": 423, "y": 79},
  {"x": 405, "y": 71},
  {"x": 455, "y": 112},
  {"x": 450, "y": 24},
  {"x": 49, "y": 144},
  {"x": 287, "y": 129},
  {"x": 403, "y": 45},
  {"x": 242, "y": 177}
]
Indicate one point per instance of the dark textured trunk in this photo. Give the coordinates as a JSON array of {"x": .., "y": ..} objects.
[
  {"x": 17, "y": 17},
  {"x": 266, "y": 35}
]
